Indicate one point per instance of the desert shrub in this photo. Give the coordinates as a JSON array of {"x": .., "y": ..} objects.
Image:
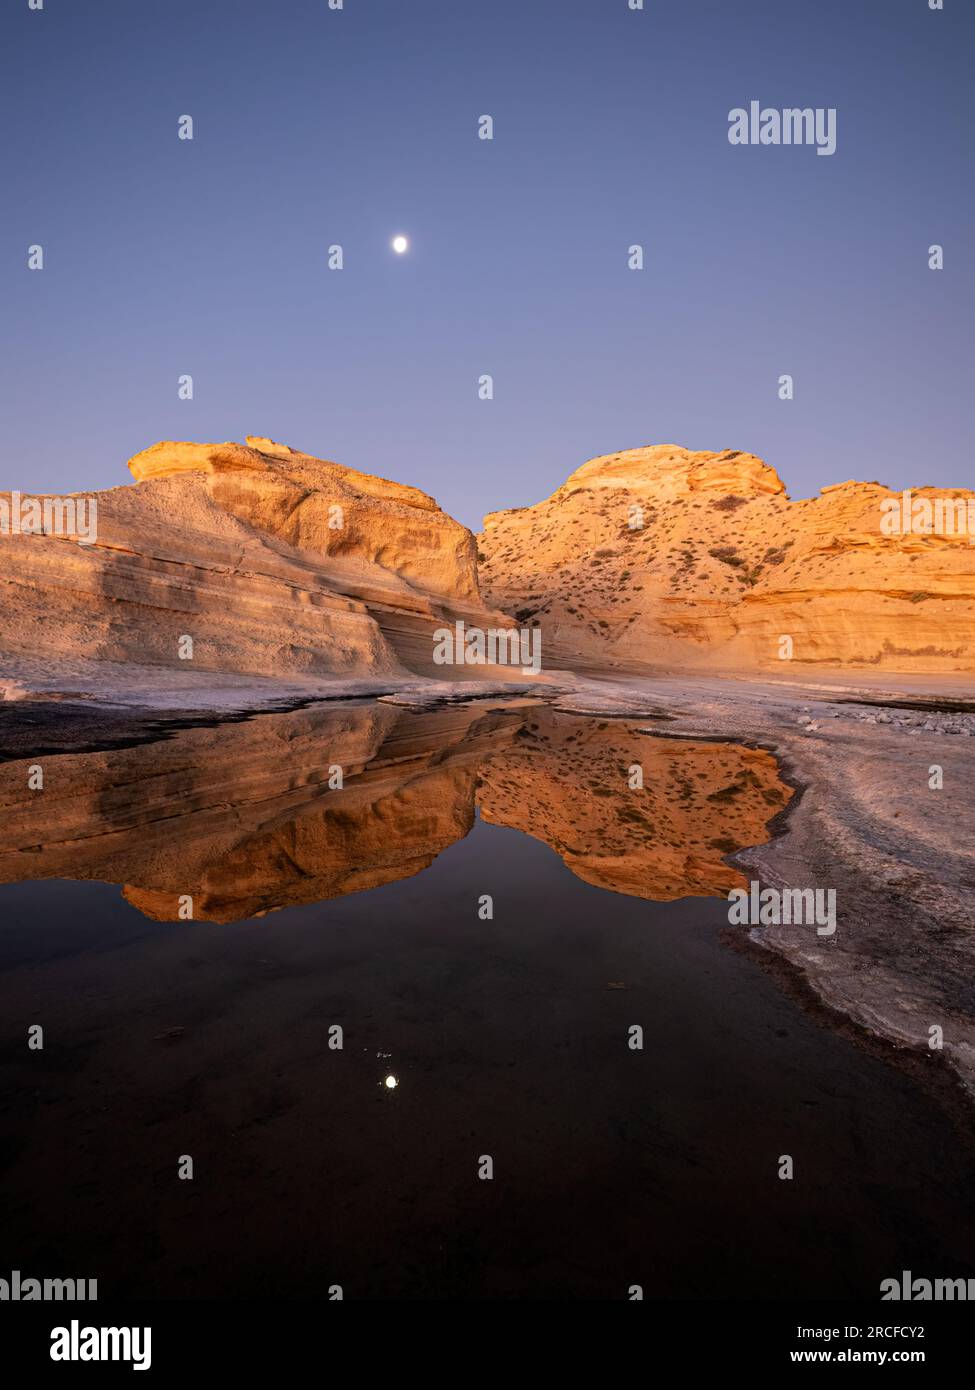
[{"x": 727, "y": 554}]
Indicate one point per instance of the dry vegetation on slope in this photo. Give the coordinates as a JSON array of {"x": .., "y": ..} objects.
[{"x": 659, "y": 556}]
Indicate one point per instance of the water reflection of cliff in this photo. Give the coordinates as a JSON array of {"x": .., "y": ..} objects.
[{"x": 242, "y": 819}]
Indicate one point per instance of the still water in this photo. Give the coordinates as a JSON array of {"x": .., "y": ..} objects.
[{"x": 487, "y": 908}]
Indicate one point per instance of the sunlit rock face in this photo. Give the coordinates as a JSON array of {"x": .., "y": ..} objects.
[
  {"x": 235, "y": 820},
  {"x": 325, "y": 510},
  {"x": 274, "y": 563},
  {"x": 663, "y": 557}
]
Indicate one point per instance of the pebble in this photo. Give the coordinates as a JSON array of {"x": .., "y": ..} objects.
[{"x": 912, "y": 721}]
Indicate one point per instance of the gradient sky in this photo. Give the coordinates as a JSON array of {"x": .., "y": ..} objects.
[{"x": 314, "y": 126}]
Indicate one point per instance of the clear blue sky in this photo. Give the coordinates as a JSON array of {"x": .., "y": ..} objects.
[{"x": 314, "y": 126}]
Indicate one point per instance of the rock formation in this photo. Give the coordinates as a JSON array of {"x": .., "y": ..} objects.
[
  {"x": 661, "y": 557},
  {"x": 274, "y": 563},
  {"x": 258, "y": 561}
]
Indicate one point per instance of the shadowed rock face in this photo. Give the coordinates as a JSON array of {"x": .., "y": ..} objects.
[
  {"x": 660, "y": 556},
  {"x": 242, "y": 819},
  {"x": 275, "y": 563}
]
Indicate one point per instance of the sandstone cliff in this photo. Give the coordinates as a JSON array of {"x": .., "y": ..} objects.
[
  {"x": 664, "y": 557},
  {"x": 275, "y": 563}
]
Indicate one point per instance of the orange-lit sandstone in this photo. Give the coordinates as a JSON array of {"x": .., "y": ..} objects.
[
  {"x": 660, "y": 557},
  {"x": 276, "y": 564}
]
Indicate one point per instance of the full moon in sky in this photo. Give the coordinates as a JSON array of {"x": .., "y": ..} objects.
[{"x": 400, "y": 244}]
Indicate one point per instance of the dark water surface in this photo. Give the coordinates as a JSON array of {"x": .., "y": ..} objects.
[{"x": 508, "y": 1037}]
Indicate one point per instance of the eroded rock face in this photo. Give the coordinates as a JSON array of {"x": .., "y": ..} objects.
[
  {"x": 324, "y": 509},
  {"x": 664, "y": 557},
  {"x": 275, "y": 563}
]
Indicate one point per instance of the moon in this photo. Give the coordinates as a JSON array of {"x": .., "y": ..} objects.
[{"x": 400, "y": 244}]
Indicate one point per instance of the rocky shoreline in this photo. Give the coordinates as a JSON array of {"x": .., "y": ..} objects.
[{"x": 868, "y": 824}]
